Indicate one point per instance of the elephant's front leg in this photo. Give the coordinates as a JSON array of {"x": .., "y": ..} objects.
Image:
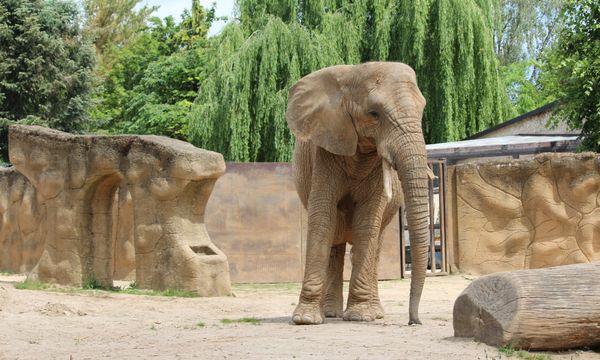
[
  {"x": 389, "y": 213},
  {"x": 322, "y": 212},
  {"x": 334, "y": 297},
  {"x": 363, "y": 298},
  {"x": 375, "y": 301}
]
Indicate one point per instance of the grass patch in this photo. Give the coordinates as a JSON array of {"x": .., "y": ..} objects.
[
  {"x": 200, "y": 324},
  {"x": 168, "y": 292},
  {"x": 92, "y": 284},
  {"x": 526, "y": 355},
  {"x": 32, "y": 285},
  {"x": 509, "y": 351},
  {"x": 7, "y": 272},
  {"x": 246, "y": 320},
  {"x": 93, "y": 287}
]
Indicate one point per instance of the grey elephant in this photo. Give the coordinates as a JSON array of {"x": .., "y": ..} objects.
[{"x": 359, "y": 149}]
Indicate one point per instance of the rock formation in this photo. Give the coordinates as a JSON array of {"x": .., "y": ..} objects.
[
  {"x": 107, "y": 206},
  {"x": 21, "y": 226},
  {"x": 530, "y": 213}
]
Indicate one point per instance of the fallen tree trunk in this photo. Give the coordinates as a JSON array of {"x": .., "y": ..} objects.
[{"x": 543, "y": 309}]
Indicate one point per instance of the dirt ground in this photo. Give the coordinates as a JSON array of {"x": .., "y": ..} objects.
[{"x": 36, "y": 324}]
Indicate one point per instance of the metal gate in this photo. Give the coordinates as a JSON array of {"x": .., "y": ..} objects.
[{"x": 437, "y": 263}]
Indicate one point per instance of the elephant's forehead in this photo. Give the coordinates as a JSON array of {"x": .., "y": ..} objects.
[{"x": 394, "y": 71}]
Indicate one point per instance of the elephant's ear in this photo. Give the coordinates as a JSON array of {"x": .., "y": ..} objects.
[{"x": 315, "y": 111}]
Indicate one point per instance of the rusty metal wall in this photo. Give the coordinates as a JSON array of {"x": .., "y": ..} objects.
[{"x": 256, "y": 218}]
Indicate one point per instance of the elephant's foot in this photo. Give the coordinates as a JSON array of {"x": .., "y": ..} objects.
[
  {"x": 377, "y": 309},
  {"x": 307, "y": 314},
  {"x": 414, "y": 321},
  {"x": 333, "y": 309},
  {"x": 362, "y": 311}
]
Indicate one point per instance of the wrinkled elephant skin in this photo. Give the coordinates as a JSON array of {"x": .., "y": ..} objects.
[{"x": 359, "y": 156}]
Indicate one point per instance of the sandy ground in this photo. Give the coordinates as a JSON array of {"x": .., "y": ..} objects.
[{"x": 38, "y": 324}]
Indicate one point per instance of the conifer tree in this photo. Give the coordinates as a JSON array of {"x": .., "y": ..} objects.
[{"x": 46, "y": 66}]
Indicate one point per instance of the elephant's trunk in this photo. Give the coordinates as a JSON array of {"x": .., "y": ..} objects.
[{"x": 410, "y": 159}]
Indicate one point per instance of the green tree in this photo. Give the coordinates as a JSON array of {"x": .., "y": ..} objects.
[
  {"x": 525, "y": 93},
  {"x": 240, "y": 109},
  {"x": 118, "y": 84},
  {"x": 46, "y": 66},
  {"x": 572, "y": 72},
  {"x": 523, "y": 30},
  {"x": 194, "y": 25},
  {"x": 112, "y": 24},
  {"x": 160, "y": 102},
  {"x": 155, "y": 77}
]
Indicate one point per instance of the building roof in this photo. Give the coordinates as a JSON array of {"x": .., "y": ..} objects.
[
  {"x": 501, "y": 146},
  {"x": 520, "y": 118}
]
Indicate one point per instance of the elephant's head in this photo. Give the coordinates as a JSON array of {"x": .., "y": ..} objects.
[{"x": 368, "y": 107}]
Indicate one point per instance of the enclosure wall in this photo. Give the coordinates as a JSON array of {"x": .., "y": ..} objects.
[
  {"x": 524, "y": 214},
  {"x": 255, "y": 216}
]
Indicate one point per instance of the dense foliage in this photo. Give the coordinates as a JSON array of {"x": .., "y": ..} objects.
[
  {"x": 46, "y": 66},
  {"x": 573, "y": 70},
  {"x": 112, "y": 23},
  {"x": 240, "y": 110},
  {"x": 152, "y": 81}
]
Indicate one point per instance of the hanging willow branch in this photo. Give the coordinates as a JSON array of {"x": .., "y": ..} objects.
[{"x": 240, "y": 110}]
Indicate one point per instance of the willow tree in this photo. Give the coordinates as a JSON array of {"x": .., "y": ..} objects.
[{"x": 240, "y": 110}]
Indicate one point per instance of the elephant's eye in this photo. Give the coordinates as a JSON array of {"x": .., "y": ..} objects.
[{"x": 374, "y": 114}]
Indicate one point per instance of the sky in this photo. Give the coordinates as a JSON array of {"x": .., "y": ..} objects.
[{"x": 175, "y": 8}]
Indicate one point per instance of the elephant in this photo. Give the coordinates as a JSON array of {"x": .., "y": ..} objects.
[{"x": 359, "y": 155}]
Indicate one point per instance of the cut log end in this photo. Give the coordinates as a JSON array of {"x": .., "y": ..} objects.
[
  {"x": 543, "y": 309},
  {"x": 481, "y": 312}
]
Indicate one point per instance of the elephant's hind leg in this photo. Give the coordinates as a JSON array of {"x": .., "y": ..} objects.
[{"x": 334, "y": 298}]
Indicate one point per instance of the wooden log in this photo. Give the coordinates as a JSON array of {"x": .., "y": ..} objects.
[{"x": 543, "y": 309}]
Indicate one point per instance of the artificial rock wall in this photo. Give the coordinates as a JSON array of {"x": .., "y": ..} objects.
[
  {"x": 525, "y": 214},
  {"x": 81, "y": 208},
  {"x": 21, "y": 224}
]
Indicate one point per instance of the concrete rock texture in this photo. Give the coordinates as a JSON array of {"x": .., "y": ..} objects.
[
  {"x": 526, "y": 214},
  {"x": 108, "y": 207},
  {"x": 21, "y": 225}
]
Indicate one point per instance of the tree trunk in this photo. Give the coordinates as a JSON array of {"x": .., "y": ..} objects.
[{"x": 543, "y": 309}]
